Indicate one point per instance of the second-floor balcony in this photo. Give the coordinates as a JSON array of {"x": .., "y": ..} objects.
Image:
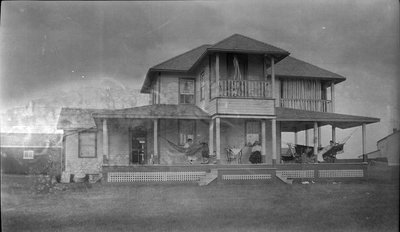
[
  {"x": 307, "y": 104},
  {"x": 245, "y": 89}
]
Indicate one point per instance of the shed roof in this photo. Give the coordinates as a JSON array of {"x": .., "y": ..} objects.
[
  {"x": 302, "y": 119},
  {"x": 77, "y": 118},
  {"x": 183, "y": 111},
  {"x": 291, "y": 67}
]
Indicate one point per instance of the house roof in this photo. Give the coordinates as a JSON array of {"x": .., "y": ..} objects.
[
  {"x": 303, "y": 119},
  {"x": 291, "y": 67},
  {"x": 235, "y": 43},
  {"x": 77, "y": 118},
  {"x": 241, "y": 43},
  {"x": 171, "y": 111}
]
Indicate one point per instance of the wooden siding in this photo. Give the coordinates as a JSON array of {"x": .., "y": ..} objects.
[{"x": 245, "y": 106}]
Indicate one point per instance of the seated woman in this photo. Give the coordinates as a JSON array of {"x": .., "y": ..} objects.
[{"x": 255, "y": 157}]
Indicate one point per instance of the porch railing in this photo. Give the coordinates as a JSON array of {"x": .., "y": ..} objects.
[
  {"x": 245, "y": 89},
  {"x": 307, "y": 104}
]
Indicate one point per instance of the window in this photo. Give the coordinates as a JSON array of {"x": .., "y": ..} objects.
[
  {"x": 29, "y": 154},
  {"x": 186, "y": 91},
  {"x": 253, "y": 131},
  {"x": 87, "y": 145},
  {"x": 186, "y": 130},
  {"x": 202, "y": 86}
]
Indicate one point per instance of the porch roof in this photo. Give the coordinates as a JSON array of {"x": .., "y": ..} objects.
[
  {"x": 168, "y": 111},
  {"x": 299, "y": 120}
]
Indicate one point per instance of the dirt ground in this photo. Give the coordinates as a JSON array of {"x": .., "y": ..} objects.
[{"x": 361, "y": 206}]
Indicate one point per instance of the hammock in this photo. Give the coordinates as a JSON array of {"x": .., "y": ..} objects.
[{"x": 190, "y": 151}]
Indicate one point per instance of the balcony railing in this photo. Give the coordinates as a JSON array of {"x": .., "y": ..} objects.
[
  {"x": 245, "y": 89},
  {"x": 307, "y": 104}
]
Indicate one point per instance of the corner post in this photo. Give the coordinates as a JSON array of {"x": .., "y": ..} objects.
[
  {"x": 105, "y": 141},
  {"x": 263, "y": 140},
  {"x": 217, "y": 77},
  {"x": 333, "y": 97},
  {"x": 218, "y": 138},
  {"x": 211, "y": 137},
  {"x": 155, "y": 134},
  {"x": 364, "y": 142},
  {"x": 273, "y": 141},
  {"x": 315, "y": 140}
]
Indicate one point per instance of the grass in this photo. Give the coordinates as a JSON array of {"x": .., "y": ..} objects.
[{"x": 361, "y": 206}]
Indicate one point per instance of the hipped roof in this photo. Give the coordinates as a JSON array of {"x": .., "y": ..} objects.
[
  {"x": 291, "y": 67},
  {"x": 302, "y": 119},
  {"x": 235, "y": 43}
]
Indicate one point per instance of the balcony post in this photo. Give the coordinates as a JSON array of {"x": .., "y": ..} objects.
[
  {"x": 332, "y": 97},
  {"x": 273, "y": 80},
  {"x": 217, "y": 77}
]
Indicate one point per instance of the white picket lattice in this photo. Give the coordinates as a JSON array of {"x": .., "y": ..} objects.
[
  {"x": 341, "y": 173},
  {"x": 153, "y": 176},
  {"x": 247, "y": 177},
  {"x": 296, "y": 173}
]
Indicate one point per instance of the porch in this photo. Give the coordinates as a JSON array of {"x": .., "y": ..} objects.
[{"x": 240, "y": 173}]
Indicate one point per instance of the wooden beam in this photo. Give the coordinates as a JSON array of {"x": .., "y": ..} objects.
[
  {"x": 155, "y": 133},
  {"x": 263, "y": 139},
  {"x": 274, "y": 141},
  {"x": 211, "y": 136},
  {"x": 333, "y": 96},
  {"x": 217, "y": 77},
  {"x": 364, "y": 142},
  {"x": 218, "y": 138},
  {"x": 105, "y": 140},
  {"x": 315, "y": 140}
]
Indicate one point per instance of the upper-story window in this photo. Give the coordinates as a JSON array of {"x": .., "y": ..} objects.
[
  {"x": 202, "y": 86},
  {"x": 186, "y": 91}
]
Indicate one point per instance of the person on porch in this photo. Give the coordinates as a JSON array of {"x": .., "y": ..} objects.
[{"x": 255, "y": 157}]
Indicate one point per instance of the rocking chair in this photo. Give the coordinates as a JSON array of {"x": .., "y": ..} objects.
[{"x": 234, "y": 154}]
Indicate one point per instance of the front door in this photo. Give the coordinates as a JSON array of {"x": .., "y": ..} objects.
[{"x": 138, "y": 146}]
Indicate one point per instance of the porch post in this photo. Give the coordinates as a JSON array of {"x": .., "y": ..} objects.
[
  {"x": 217, "y": 72},
  {"x": 263, "y": 140},
  {"x": 273, "y": 141},
  {"x": 211, "y": 137},
  {"x": 319, "y": 137},
  {"x": 155, "y": 134},
  {"x": 315, "y": 138},
  {"x": 306, "y": 136},
  {"x": 218, "y": 138},
  {"x": 364, "y": 141},
  {"x": 273, "y": 80},
  {"x": 105, "y": 140},
  {"x": 295, "y": 135},
  {"x": 334, "y": 134},
  {"x": 333, "y": 96}
]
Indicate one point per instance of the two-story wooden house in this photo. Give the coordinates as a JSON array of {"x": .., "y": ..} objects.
[{"x": 228, "y": 94}]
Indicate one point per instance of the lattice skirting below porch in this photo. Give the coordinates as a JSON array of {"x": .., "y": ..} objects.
[
  {"x": 247, "y": 177},
  {"x": 291, "y": 174},
  {"x": 341, "y": 173},
  {"x": 153, "y": 176}
]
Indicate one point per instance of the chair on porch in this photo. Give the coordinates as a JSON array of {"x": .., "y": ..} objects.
[{"x": 234, "y": 154}]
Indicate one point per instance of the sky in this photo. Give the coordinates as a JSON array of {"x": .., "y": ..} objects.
[{"x": 46, "y": 46}]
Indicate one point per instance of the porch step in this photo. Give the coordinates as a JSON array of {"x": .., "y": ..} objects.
[
  {"x": 208, "y": 178},
  {"x": 284, "y": 178}
]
